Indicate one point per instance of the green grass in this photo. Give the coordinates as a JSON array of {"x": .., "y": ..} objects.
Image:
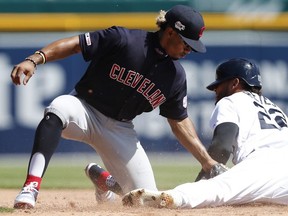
[
  {"x": 6, "y": 210},
  {"x": 74, "y": 177},
  {"x": 168, "y": 174}
]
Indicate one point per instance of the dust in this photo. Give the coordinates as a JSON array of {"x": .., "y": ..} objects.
[{"x": 82, "y": 202}]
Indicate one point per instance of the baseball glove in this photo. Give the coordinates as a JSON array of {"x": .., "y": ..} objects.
[{"x": 216, "y": 170}]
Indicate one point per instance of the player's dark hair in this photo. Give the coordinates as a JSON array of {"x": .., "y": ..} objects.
[
  {"x": 163, "y": 26},
  {"x": 254, "y": 89}
]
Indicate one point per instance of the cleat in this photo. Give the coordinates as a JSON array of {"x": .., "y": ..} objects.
[
  {"x": 26, "y": 199},
  {"x": 103, "y": 181},
  {"x": 143, "y": 197},
  {"x": 133, "y": 198},
  {"x": 167, "y": 200}
]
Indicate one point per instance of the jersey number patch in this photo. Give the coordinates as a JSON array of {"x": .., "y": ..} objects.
[{"x": 270, "y": 116}]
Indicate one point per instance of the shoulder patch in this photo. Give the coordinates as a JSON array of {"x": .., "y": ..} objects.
[
  {"x": 185, "y": 102},
  {"x": 88, "y": 39}
]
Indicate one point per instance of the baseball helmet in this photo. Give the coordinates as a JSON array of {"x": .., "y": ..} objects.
[{"x": 237, "y": 68}]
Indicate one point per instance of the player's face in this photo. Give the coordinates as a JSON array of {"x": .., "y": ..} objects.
[
  {"x": 224, "y": 89},
  {"x": 175, "y": 46}
]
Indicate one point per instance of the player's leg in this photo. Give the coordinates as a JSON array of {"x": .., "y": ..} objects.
[
  {"x": 116, "y": 142},
  {"x": 47, "y": 136},
  {"x": 122, "y": 153},
  {"x": 46, "y": 139},
  {"x": 218, "y": 191},
  {"x": 85, "y": 126},
  {"x": 261, "y": 177},
  {"x": 105, "y": 185},
  {"x": 129, "y": 175},
  {"x": 130, "y": 167}
]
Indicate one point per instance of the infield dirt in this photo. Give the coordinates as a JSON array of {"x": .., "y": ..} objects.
[{"x": 82, "y": 202}]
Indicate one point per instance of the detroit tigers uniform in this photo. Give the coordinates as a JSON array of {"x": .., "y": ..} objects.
[
  {"x": 260, "y": 155},
  {"x": 128, "y": 74}
]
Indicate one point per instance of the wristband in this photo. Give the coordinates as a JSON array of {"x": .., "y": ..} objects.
[
  {"x": 42, "y": 54},
  {"x": 31, "y": 60}
]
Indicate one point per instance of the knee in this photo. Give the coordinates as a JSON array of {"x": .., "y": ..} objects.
[
  {"x": 65, "y": 107},
  {"x": 52, "y": 120}
]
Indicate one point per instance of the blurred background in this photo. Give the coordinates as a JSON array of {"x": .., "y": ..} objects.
[{"x": 255, "y": 29}]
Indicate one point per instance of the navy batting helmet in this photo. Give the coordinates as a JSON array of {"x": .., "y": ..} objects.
[{"x": 237, "y": 68}]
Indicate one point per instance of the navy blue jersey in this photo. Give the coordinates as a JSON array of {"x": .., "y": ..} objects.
[{"x": 129, "y": 73}]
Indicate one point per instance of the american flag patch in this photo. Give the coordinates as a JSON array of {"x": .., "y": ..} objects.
[{"x": 88, "y": 39}]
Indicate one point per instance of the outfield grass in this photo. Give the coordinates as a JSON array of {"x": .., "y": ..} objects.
[{"x": 170, "y": 171}]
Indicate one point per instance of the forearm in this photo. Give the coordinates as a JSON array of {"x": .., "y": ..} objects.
[
  {"x": 57, "y": 50},
  {"x": 54, "y": 51},
  {"x": 187, "y": 136},
  {"x": 195, "y": 147}
]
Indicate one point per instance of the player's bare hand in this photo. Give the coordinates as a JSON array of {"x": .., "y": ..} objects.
[{"x": 25, "y": 68}]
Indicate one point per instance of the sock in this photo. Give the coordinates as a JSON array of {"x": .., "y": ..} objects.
[
  {"x": 34, "y": 180},
  {"x": 46, "y": 140},
  {"x": 47, "y": 137},
  {"x": 101, "y": 180}
]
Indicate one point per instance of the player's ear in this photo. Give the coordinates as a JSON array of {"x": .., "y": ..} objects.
[
  {"x": 169, "y": 31},
  {"x": 236, "y": 83}
]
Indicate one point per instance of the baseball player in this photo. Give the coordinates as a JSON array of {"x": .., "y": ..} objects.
[
  {"x": 251, "y": 127},
  {"x": 130, "y": 72}
]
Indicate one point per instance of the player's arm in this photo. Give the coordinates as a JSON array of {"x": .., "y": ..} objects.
[
  {"x": 185, "y": 132},
  {"x": 224, "y": 137},
  {"x": 56, "y": 50}
]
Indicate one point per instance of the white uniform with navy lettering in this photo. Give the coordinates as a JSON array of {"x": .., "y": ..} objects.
[{"x": 261, "y": 156}]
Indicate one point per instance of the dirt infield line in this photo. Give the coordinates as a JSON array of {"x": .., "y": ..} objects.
[{"x": 82, "y": 202}]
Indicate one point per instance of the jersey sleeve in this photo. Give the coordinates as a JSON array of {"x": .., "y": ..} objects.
[
  {"x": 175, "y": 109},
  {"x": 176, "y": 106},
  {"x": 225, "y": 111},
  {"x": 98, "y": 43}
]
